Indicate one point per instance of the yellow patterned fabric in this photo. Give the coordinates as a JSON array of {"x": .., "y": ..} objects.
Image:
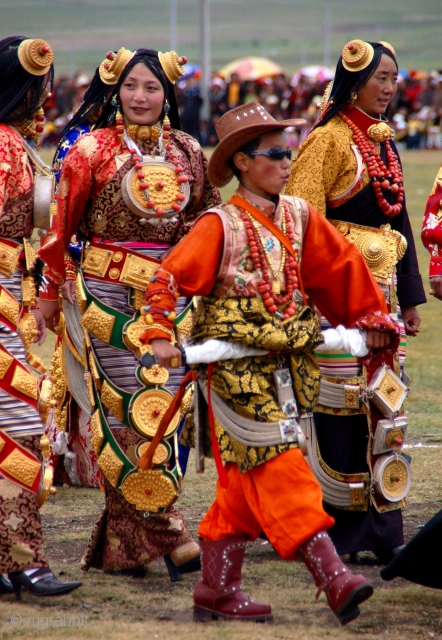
[
  {"x": 326, "y": 165},
  {"x": 247, "y": 384}
]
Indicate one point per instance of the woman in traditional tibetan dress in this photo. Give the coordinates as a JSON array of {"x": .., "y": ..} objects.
[
  {"x": 133, "y": 187},
  {"x": 349, "y": 170},
  {"x": 25, "y": 83}
]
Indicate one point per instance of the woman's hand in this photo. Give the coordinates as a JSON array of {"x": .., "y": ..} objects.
[
  {"x": 436, "y": 287},
  {"x": 377, "y": 339},
  {"x": 168, "y": 356},
  {"x": 41, "y": 326},
  {"x": 50, "y": 310},
  {"x": 412, "y": 320},
  {"x": 67, "y": 291}
]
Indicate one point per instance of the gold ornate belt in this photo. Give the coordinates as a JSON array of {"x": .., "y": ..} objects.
[
  {"x": 117, "y": 264},
  {"x": 381, "y": 248},
  {"x": 22, "y": 467}
]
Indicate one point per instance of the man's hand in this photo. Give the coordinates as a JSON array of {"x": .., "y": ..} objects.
[
  {"x": 67, "y": 291},
  {"x": 436, "y": 287},
  {"x": 50, "y": 310},
  {"x": 376, "y": 339},
  {"x": 41, "y": 327},
  {"x": 168, "y": 356},
  {"x": 412, "y": 319}
]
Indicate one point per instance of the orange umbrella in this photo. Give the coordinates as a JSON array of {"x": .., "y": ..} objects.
[{"x": 251, "y": 68}]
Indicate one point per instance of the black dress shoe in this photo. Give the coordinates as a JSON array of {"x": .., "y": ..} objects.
[
  {"x": 176, "y": 570},
  {"x": 5, "y": 584},
  {"x": 42, "y": 582}
]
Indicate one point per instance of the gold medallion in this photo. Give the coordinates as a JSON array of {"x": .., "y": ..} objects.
[
  {"x": 149, "y": 490},
  {"x": 148, "y": 410},
  {"x": 160, "y": 456},
  {"x": 154, "y": 375},
  {"x": 276, "y": 286}
]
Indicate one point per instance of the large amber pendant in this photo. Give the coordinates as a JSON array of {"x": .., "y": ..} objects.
[{"x": 276, "y": 286}]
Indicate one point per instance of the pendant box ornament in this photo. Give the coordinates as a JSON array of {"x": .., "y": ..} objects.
[
  {"x": 390, "y": 435},
  {"x": 392, "y": 477},
  {"x": 164, "y": 193},
  {"x": 44, "y": 204},
  {"x": 386, "y": 391}
]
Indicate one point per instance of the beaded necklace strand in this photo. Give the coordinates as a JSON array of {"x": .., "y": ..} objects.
[
  {"x": 384, "y": 178},
  {"x": 270, "y": 290}
]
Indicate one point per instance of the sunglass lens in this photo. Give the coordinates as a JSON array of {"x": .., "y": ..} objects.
[{"x": 278, "y": 153}]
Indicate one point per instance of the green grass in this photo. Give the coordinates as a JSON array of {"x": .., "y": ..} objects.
[{"x": 289, "y": 31}]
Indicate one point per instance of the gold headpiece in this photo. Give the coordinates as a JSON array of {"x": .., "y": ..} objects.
[
  {"x": 321, "y": 104},
  {"x": 172, "y": 65},
  {"x": 388, "y": 46},
  {"x": 36, "y": 56},
  {"x": 114, "y": 64},
  {"x": 357, "y": 55}
]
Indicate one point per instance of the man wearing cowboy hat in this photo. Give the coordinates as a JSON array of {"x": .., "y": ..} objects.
[{"x": 253, "y": 260}]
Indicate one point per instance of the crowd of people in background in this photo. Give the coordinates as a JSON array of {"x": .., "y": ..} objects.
[{"x": 415, "y": 112}]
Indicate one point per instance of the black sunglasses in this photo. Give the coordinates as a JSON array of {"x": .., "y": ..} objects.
[{"x": 275, "y": 153}]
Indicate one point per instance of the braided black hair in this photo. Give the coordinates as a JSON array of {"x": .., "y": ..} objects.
[{"x": 20, "y": 91}]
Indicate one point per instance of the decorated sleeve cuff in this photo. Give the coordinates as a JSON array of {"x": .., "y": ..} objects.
[
  {"x": 48, "y": 291},
  {"x": 435, "y": 266},
  {"x": 155, "y": 334}
]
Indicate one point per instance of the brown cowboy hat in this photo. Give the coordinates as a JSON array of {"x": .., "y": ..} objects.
[{"x": 237, "y": 127}]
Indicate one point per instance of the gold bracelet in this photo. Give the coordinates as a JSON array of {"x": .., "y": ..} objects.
[{"x": 161, "y": 328}]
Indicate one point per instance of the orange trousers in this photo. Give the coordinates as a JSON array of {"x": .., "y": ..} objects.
[{"x": 280, "y": 497}]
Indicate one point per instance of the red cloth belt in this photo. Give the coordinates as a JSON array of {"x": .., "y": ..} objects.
[{"x": 114, "y": 266}]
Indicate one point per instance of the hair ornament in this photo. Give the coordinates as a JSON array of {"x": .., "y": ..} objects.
[
  {"x": 172, "y": 65},
  {"x": 388, "y": 46},
  {"x": 357, "y": 55},
  {"x": 325, "y": 97},
  {"x": 36, "y": 56},
  {"x": 114, "y": 64}
]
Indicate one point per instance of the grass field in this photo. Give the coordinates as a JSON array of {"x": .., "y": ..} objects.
[
  {"x": 152, "y": 608},
  {"x": 289, "y": 31}
]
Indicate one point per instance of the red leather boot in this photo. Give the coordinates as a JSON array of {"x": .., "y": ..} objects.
[
  {"x": 218, "y": 594},
  {"x": 344, "y": 590}
]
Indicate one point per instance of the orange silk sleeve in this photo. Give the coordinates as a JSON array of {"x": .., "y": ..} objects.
[
  {"x": 335, "y": 275},
  {"x": 194, "y": 264}
]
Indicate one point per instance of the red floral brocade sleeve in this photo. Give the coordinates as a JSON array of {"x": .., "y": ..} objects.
[
  {"x": 87, "y": 168},
  {"x": 432, "y": 227},
  {"x": 15, "y": 176}
]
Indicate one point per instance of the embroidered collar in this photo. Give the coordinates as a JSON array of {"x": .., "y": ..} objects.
[
  {"x": 361, "y": 119},
  {"x": 267, "y": 206}
]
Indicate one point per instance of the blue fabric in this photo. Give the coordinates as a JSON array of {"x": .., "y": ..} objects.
[{"x": 65, "y": 147}]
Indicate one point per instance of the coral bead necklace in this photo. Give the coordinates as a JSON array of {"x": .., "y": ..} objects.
[
  {"x": 384, "y": 178},
  {"x": 268, "y": 288}
]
